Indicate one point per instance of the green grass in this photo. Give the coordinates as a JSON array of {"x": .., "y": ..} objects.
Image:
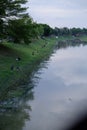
[
  {"x": 64, "y": 38},
  {"x": 84, "y": 38},
  {"x": 11, "y": 79}
]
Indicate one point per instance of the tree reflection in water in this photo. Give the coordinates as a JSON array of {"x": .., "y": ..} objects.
[
  {"x": 14, "y": 110},
  {"x": 70, "y": 43}
]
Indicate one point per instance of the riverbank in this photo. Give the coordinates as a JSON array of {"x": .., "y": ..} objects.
[
  {"x": 18, "y": 61},
  {"x": 64, "y": 42}
]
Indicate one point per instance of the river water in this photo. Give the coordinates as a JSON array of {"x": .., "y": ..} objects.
[{"x": 59, "y": 96}]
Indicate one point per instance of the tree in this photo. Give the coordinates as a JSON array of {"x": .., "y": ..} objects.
[
  {"x": 76, "y": 31},
  {"x": 47, "y": 30},
  {"x": 24, "y": 30},
  {"x": 10, "y": 10},
  {"x": 37, "y": 30},
  {"x": 19, "y": 30}
]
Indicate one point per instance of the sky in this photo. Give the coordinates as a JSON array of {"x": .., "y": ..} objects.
[{"x": 59, "y": 13}]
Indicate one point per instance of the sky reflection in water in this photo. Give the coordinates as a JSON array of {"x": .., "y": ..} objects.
[{"x": 61, "y": 94}]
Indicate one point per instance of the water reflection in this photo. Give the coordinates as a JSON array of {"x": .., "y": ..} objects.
[
  {"x": 61, "y": 94},
  {"x": 13, "y": 115},
  {"x": 57, "y": 100},
  {"x": 71, "y": 65},
  {"x": 70, "y": 43},
  {"x": 14, "y": 109}
]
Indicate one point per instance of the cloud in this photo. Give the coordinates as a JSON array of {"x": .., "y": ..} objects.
[{"x": 73, "y": 13}]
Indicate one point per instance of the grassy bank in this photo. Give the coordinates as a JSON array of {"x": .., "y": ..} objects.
[
  {"x": 14, "y": 73},
  {"x": 84, "y": 38}
]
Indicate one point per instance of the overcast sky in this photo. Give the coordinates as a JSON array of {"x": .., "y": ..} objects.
[{"x": 59, "y": 13}]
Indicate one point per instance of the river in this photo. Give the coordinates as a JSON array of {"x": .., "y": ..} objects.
[{"x": 59, "y": 96}]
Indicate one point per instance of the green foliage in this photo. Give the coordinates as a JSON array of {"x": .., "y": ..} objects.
[
  {"x": 19, "y": 30},
  {"x": 47, "y": 30},
  {"x": 72, "y": 31},
  {"x": 24, "y": 30},
  {"x": 10, "y": 79},
  {"x": 16, "y": 25},
  {"x": 10, "y": 10}
]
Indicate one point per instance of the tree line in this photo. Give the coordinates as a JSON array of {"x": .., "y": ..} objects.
[
  {"x": 72, "y": 31},
  {"x": 17, "y": 25}
]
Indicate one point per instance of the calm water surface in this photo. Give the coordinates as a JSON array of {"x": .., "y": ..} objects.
[{"x": 60, "y": 94}]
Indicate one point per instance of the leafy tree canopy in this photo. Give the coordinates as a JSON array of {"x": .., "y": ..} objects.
[{"x": 10, "y": 10}]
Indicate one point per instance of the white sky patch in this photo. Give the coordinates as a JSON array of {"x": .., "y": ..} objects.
[{"x": 59, "y": 13}]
